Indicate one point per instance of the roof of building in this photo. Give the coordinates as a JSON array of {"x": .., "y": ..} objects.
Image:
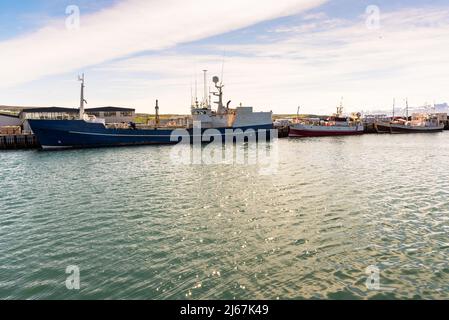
[
  {"x": 50, "y": 110},
  {"x": 15, "y": 108},
  {"x": 73, "y": 110},
  {"x": 109, "y": 109},
  {"x": 8, "y": 115}
]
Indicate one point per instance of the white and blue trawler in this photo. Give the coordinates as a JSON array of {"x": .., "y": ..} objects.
[{"x": 88, "y": 131}]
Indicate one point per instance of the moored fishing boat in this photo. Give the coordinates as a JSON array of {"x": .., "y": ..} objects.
[
  {"x": 336, "y": 125},
  {"x": 87, "y": 131},
  {"x": 419, "y": 123},
  {"x": 384, "y": 126}
]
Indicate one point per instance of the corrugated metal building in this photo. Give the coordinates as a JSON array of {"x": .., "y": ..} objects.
[{"x": 109, "y": 114}]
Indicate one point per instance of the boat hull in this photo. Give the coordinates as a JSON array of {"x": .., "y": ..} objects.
[
  {"x": 323, "y": 131},
  {"x": 382, "y": 128},
  {"x": 63, "y": 134},
  {"x": 399, "y": 128},
  {"x": 415, "y": 129}
]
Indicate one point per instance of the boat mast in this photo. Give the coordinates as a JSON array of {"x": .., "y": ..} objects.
[
  {"x": 340, "y": 109},
  {"x": 394, "y": 104},
  {"x": 192, "y": 103},
  {"x": 406, "y": 108},
  {"x": 221, "y": 108},
  {"x": 210, "y": 99},
  {"x": 196, "y": 91},
  {"x": 222, "y": 69},
  {"x": 157, "y": 118},
  {"x": 205, "y": 100},
  {"x": 82, "y": 100}
]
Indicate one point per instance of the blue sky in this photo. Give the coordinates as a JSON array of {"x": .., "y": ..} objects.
[
  {"x": 276, "y": 55},
  {"x": 19, "y": 17}
]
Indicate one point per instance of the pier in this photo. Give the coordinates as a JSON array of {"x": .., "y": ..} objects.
[
  {"x": 282, "y": 131},
  {"x": 21, "y": 141}
]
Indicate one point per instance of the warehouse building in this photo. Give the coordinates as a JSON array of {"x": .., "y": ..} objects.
[
  {"x": 113, "y": 114},
  {"x": 51, "y": 113},
  {"x": 109, "y": 114}
]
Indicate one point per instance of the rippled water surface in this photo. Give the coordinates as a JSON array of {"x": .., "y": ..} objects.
[{"x": 140, "y": 226}]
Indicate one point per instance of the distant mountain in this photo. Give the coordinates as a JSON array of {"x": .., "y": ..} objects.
[
  {"x": 439, "y": 108},
  {"x": 443, "y": 107}
]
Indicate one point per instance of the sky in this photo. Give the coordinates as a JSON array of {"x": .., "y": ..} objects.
[{"x": 272, "y": 55}]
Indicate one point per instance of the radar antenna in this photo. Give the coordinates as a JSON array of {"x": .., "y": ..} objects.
[{"x": 221, "y": 108}]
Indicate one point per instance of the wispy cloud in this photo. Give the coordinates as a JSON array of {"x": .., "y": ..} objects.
[
  {"x": 130, "y": 27},
  {"x": 407, "y": 56},
  {"x": 311, "y": 59}
]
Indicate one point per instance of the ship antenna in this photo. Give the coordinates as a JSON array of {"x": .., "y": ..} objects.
[
  {"x": 340, "y": 109},
  {"x": 394, "y": 104},
  {"x": 196, "y": 90},
  {"x": 82, "y": 100},
  {"x": 205, "y": 89},
  {"x": 191, "y": 96},
  {"x": 157, "y": 118},
  {"x": 222, "y": 67},
  {"x": 210, "y": 99},
  {"x": 406, "y": 107}
]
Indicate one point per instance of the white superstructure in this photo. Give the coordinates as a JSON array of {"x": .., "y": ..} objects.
[{"x": 225, "y": 117}]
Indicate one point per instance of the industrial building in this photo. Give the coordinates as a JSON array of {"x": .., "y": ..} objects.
[
  {"x": 112, "y": 114},
  {"x": 109, "y": 114}
]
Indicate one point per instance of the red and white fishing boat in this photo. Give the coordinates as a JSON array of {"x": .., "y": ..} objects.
[{"x": 336, "y": 125}]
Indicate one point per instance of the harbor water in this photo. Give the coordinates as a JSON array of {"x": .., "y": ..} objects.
[{"x": 139, "y": 225}]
